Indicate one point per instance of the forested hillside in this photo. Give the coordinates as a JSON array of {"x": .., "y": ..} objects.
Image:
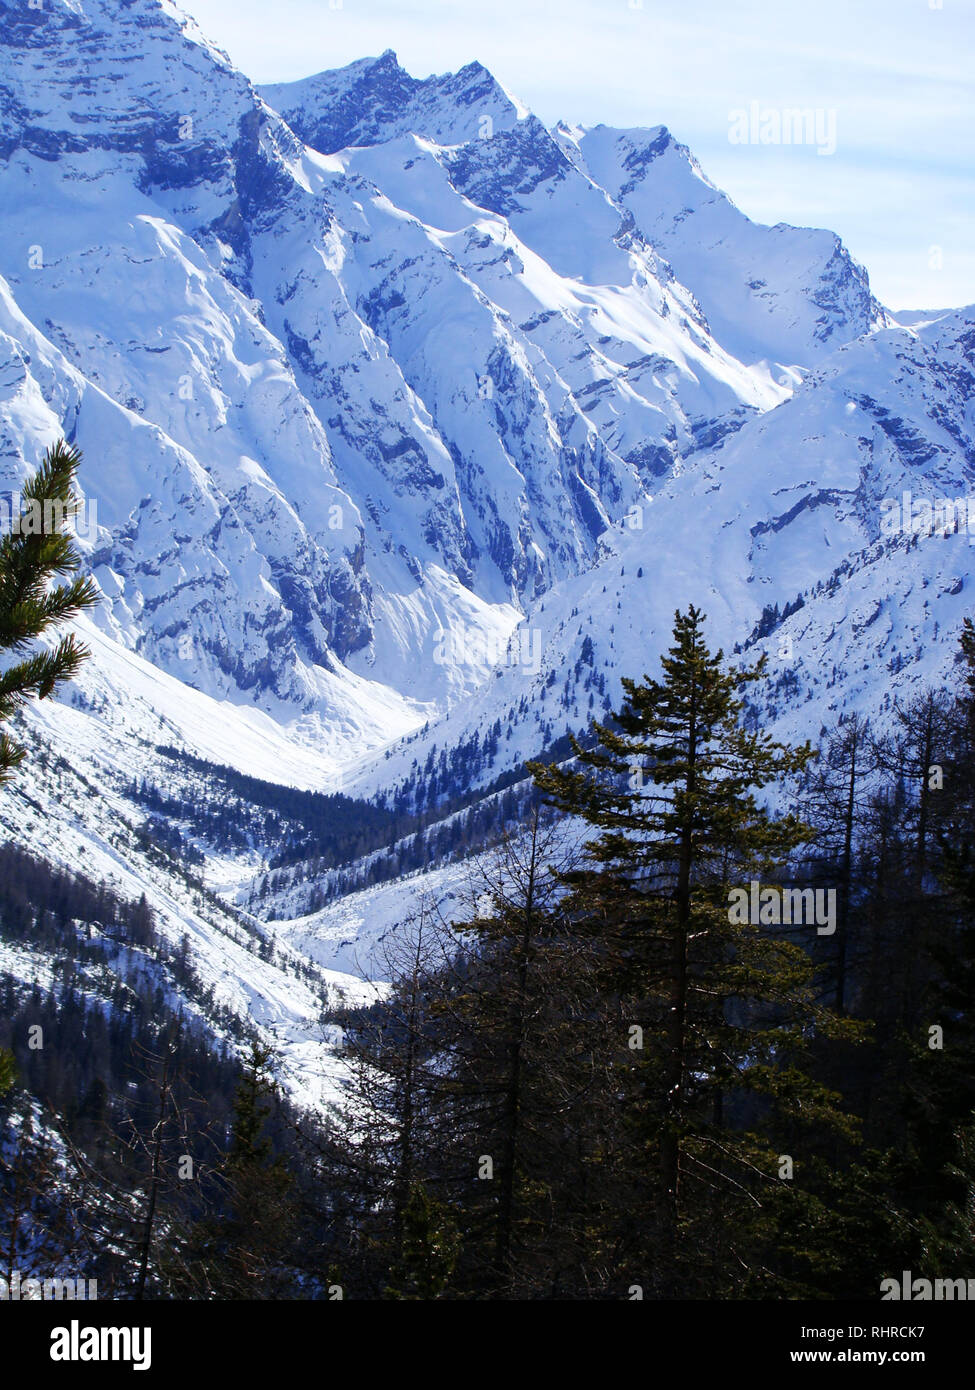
[{"x": 599, "y": 1079}]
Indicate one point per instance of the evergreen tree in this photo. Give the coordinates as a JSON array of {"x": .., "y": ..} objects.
[
  {"x": 243, "y": 1249},
  {"x": 37, "y": 550},
  {"x": 939, "y": 1114},
  {"x": 523, "y": 1036},
  {"x": 909, "y": 1202},
  {"x": 719, "y": 1012},
  {"x": 427, "y": 1248}
]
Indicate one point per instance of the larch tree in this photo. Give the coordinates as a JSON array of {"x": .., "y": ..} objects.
[{"x": 837, "y": 800}]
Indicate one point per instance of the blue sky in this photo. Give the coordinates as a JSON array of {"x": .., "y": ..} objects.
[{"x": 898, "y": 74}]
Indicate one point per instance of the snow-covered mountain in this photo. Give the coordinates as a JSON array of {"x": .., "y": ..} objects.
[
  {"x": 409, "y": 423},
  {"x": 804, "y": 536},
  {"x": 785, "y": 294},
  {"x": 375, "y": 388}
]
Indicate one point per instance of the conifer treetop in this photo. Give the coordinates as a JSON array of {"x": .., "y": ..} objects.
[{"x": 677, "y": 759}]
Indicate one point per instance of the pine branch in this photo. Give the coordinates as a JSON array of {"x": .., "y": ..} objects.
[{"x": 32, "y": 556}]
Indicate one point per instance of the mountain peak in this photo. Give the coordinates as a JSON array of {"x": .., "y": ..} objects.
[
  {"x": 386, "y": 64},
  {"x": 375, "y": 100}
]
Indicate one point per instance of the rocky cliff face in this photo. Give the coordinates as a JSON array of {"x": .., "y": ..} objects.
[
  {"x": 360, "y": 360},
  {"x": 351, "y": 359}
]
